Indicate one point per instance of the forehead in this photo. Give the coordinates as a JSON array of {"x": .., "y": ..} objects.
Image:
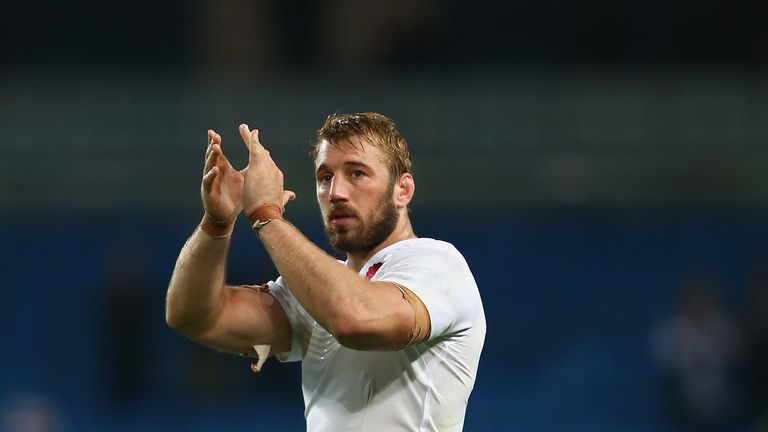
[{"x": 358, "y": 149}]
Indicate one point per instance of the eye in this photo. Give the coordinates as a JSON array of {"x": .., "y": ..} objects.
[
  {"x": 357, "y": 173},
  {"x": 324, "y": 178}
]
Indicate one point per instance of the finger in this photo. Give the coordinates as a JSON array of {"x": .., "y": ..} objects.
[
  {"x": 221, "y": 159},
  {"x": 256, "y": 149},
  {"x": 209, "y": 178},
  {"x": 210, "y": 143},
  {"x": 213, "y": 158},
  {"x": 213, "y": 138},
  {"x": 256, "y": 143},
  {"x": 288, "y": 196},
  {"x": 245, "y": 134}
]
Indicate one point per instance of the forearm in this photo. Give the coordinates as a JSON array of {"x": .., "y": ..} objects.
[
  {"x": 195, "y": 291},
  {"x": 328, "y": 290}
]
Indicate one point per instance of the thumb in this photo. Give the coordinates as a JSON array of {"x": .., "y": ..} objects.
[{"x": 288, "y": 196}]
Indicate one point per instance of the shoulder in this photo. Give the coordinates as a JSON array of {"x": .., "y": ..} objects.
[
  {"x": 421, "y": 261},
  {"x": 425, "y": 252},
  {"x": 422, "y": 245}
]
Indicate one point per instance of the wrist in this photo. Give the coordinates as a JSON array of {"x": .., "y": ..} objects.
[
  {"x": 217, "y": 229},
  {"x": 263, "y": 215}
]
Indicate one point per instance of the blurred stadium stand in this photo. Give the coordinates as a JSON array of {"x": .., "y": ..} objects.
[{"x": 588, "y": 137}]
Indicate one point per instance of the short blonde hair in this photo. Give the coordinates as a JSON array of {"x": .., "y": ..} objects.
[{"x": 380, "y": 130}]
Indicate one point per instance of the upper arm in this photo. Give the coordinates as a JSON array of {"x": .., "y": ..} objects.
[
  {"x": 441, "y": 279},
  {"x": 390, "y": 317},
  {"x": 247, "y": 316}
]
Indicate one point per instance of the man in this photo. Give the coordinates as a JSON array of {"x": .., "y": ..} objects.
[{"x": 391, "y": 338}]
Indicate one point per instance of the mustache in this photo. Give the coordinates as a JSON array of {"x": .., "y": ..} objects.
[{"x": 342, "y": 208}]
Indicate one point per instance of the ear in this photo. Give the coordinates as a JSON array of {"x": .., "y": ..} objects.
[{"x": 404, "y": 189}]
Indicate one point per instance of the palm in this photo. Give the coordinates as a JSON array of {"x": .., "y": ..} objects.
[{"x": 226, "y": 194}]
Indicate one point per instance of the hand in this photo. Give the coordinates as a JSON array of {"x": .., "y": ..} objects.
[
  {"x": 222, "y": 186},
  {"x": 263, "y": 179}
]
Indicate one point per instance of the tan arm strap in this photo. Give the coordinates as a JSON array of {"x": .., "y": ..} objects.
[{"x": 422, "y": 325}]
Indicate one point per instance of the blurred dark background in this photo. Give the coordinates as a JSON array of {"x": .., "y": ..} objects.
[{"x": 602, "y": 165}]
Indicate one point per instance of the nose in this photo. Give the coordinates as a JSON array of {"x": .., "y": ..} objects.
[{"x": 338, "y": 190}]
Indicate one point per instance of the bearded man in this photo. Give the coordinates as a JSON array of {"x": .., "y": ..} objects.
[{"x": 389, "y": 339}]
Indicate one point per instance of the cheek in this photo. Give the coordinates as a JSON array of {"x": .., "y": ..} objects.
[
  {"x": 321, "y": 193},
  {"x": 322, "y": 200}
]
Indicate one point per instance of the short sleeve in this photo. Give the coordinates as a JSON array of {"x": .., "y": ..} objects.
[
  {"x": 300, "y": 321},
  {"x": 437, "y": 273}
]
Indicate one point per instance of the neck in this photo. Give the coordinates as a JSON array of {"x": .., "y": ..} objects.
[{"x": 402, "y": 231}]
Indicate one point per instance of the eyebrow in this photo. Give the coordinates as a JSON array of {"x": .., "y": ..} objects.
[{"x": 322, "y": 167}]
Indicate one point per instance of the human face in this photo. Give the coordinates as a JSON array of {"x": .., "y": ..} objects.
[{"x": 355, "y": 193}]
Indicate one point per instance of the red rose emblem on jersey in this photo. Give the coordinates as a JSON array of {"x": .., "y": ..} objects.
[{"x": 372, "y": 270}]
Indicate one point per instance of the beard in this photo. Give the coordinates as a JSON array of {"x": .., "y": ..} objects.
[{"x": 370, "y": 233}]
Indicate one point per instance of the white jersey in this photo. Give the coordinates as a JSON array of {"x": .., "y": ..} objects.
[{"x": 424, "y": 387}]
